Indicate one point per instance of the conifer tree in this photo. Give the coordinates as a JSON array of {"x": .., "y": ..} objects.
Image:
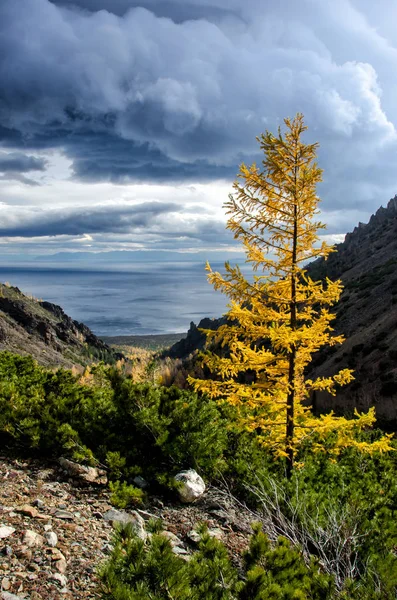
[{"x": 279, "y": 317}]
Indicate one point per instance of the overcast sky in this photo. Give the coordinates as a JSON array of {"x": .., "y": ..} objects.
[{"x": 123, "y": 122}]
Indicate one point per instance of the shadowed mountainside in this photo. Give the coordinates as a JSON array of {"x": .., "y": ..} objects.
[
  {"x": 366, "y": 315},
  {"x": 42, "y": 329}
]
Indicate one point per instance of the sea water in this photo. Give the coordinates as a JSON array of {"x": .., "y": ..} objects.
[{"x": 145, "y": 298}]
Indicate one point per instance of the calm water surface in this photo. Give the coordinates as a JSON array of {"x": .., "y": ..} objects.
[{"x": 139, "y": 299}]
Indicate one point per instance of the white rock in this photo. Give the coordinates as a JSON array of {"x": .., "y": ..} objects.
[
  {"x": 193, "y": 486},
  {"x": 135, "y": 519},
  {"x": 51, "y": 538},
  {"x": 6, "y": 531},
  {"x": 31, "y": 539}
]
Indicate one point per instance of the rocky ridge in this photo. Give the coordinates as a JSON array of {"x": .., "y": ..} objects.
[
  {"x": 366, "y": 315},
  {"x": 42, "y": 329}
]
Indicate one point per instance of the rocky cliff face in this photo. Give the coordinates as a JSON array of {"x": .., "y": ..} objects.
[
  {"x": 195, "y": 339},
  {"x": 366, "y": 315},
  {"x": 42, "y": 329},
  {"x": 366, "y": 262}
]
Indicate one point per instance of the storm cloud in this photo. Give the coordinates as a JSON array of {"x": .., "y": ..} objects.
[
  {"x": 99, "y": 219},
  {"x": 21, "y": 163},
  {"x": 172, "y": 91}
]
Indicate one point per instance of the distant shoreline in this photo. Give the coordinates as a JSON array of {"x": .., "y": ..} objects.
[{"x": 149, "y": 341}]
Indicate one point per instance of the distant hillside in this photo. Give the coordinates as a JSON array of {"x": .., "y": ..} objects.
[
  {"x": 366, "y": 315},
  {"x": 153, "y": 342},
  {"x": 42, "y": 329}
]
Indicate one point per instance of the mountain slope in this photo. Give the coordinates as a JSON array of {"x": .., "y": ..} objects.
[
  {"x": 366, "y": 315},
  {"x": 42, "y": 329}
]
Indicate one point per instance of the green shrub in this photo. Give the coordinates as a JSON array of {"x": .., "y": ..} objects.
[
  {"x": 133, "y": 428},
  {"x": 136, "y": 570},
  {"x": 124, "y": 495}
]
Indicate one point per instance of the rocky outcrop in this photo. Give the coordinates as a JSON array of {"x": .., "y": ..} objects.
[{"x": 195, "y": 339}]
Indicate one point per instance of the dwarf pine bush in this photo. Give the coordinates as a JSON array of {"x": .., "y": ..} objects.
[{"x": 151, "y": 570}]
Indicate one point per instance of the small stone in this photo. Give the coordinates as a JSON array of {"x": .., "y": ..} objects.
[
  {"x": 39, "y": 503},
  {"x": 61, "y": 565},
  {"x": 51, "y": 538},
  {"x": 7, "y": 550},
  {"x": 5, "y": 584},
  {"x": 32, "y": 539},
  {"x": 59, "y": 577},
  {"x": 47, "y": 527},
  {"x": 35, "y": 596},
  {"x": 63, "y": 514},
  {"x": 28, "y": 511},
  {"x": 121, "y": 516},
  {"x": 140, "y": 482},
  {"x": 6, "y": 531}
]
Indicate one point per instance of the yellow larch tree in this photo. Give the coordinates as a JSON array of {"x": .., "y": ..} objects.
[{"x": 279, "y": 316}]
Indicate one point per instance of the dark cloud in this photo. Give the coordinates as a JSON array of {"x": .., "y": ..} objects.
[
  {"x": 103, "y": 219},
  {"x": 177, "y": 90},
  {"x": 11, "y": 176},
  {"x": 16, "y": 162}
]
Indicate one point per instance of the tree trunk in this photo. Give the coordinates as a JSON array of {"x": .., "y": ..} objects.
[{"x": 289, "y": 438}]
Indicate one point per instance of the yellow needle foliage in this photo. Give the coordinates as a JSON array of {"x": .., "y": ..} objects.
[{"x": 279, "y": 317}]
